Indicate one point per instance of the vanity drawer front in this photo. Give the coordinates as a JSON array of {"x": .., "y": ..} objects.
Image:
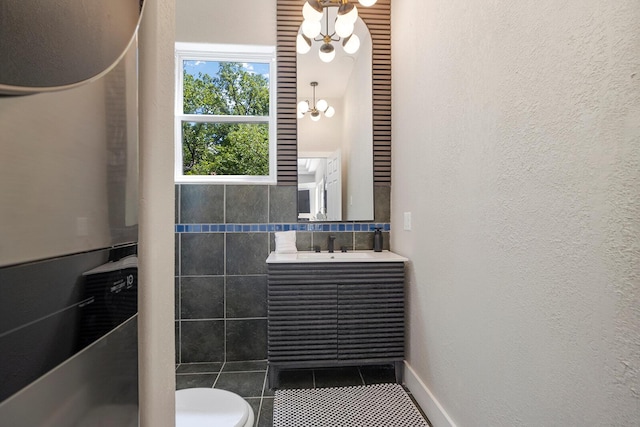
[
  {"x": 302, "y": 322},
  {"x": 371, "y": 319}
]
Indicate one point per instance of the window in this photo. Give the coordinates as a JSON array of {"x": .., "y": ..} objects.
[{"x": 225, "y": 127}]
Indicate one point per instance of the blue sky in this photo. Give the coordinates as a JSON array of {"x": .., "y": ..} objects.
[{"x": 194, "y": 67}]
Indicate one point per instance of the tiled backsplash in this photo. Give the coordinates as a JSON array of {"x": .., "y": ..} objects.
[
  {"x": 255, "y": 228},
  {"x": 224, "y": 234}
]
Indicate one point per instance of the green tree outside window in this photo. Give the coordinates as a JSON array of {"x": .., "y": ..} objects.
[{"x": 219, "y": 146}]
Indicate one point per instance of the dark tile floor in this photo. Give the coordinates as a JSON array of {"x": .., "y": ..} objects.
[{"x": 249, "y": 380}]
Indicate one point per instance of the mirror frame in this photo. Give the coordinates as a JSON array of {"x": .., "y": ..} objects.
[{"x": 378, "y": 20}]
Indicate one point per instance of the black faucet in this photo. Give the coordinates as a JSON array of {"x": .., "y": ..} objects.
[{"x": 331, "y": 240}]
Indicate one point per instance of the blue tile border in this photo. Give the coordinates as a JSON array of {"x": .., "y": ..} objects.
[{"x": 271, "y": 227}]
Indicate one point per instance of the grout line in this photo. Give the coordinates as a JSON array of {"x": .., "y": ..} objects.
[
  {"x": 179, "y": 203},
  {"x": 269, "y": 205},
  {"x": 224, "y": 204},
  {"x": 361, "y": 377},
  {"x": 218, "y": 376},
  {"x": 224, "y": 282},
  {"x": 264, "y": 384},
  {"x": 198, "y": 373},
  {"x": 205, "y": 372},
  {"x": 179, "y": 318},
  {"x": 200, "y": 363},
  {"x": 179, "y": 249}
]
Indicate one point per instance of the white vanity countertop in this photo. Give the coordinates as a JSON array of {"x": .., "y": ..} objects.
[{"x": 351, "y": 256}]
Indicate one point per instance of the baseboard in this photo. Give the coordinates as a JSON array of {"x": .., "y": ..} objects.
[{"x": 427, "y": 401}]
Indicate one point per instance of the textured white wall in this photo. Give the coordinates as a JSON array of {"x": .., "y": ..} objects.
[
  {"x": 224, "y": 21},
  {"x": 324, "y": 135},
  {"x": 357, "y": 157},
  {"x": 516, "y": 146}
]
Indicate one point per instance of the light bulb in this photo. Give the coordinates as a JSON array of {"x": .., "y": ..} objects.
[
  {"x": 303, "y": 44},
  {"x": 327, "y": 52},
  {"x": 311, "y": 28},
  {"x": 349, "y": 15},
  {"x": 300, "y": 115},
  {"x": 315, "y": 116},
  {"x": 322, "y": 105},
  {"x": 351, "y": 44},
  {"x": 330, "y": 112},
  {"x": 303, "y": 107},
  {"x": 311, "y": 13},
  {"x": 343, "y": 27},
  {"x": 367, "y": 3}
]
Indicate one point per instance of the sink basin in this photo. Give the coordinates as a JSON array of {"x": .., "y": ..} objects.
[{"x": 335, "y": 255}]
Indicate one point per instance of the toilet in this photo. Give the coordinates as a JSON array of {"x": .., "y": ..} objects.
[{"x": 211, "y": 407}]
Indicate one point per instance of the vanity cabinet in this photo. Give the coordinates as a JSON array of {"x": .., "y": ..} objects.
[{"x": 335, "y": 314}]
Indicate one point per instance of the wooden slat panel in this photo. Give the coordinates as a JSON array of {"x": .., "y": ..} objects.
[
  {"x": 288, "y": 22},
  {"x": 378, "y": 20}
]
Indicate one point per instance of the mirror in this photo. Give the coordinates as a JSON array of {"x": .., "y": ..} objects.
[
  {"x": 317, "y": 174},
  {"x": 335, "y": 155}
]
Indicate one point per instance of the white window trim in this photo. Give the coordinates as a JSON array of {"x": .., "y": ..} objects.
[{"x": 232, "y": 53}]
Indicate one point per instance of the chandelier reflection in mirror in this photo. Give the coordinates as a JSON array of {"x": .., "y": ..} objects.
[
  {"x": 315, "y": 109},
  {"x": 314, "y": 11}
]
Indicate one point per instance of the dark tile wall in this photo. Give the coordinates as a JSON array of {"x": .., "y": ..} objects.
[{"x": 221, "y": 282}]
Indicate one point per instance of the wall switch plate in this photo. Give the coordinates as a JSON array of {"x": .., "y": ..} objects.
[{"x": 407, "y": 221}]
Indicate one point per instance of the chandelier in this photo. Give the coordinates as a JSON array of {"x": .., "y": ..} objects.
[
  {"x": 313, "y": 11},
  {"x": 314, "y": 109}
]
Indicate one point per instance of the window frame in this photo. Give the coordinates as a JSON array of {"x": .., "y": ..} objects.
[{"x": 224, "y": 53}]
